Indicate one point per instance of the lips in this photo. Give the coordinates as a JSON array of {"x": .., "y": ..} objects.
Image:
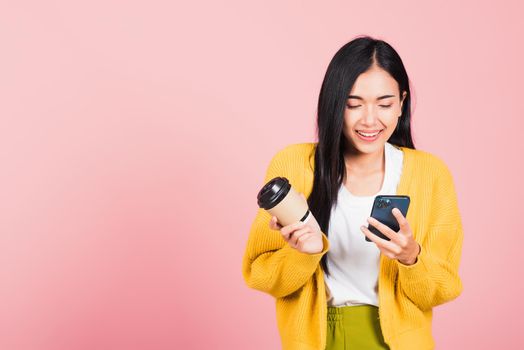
[{"x": 368, "y": 133}]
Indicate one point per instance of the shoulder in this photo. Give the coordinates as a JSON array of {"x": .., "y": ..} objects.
[
  {"x": 291, "y": 160},
  {"x": 295, "y": 152},
  {"x": 295, "y": 149},
  {"x": 428, "y": 163},
  {"x": 425, "y": 159}
]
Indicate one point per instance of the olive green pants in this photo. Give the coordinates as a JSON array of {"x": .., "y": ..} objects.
[{"x": 354, "y": 327}]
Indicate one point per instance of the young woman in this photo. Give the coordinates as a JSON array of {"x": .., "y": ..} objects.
[{"x": 334, "y": 289}]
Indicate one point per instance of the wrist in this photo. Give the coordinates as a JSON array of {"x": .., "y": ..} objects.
[{"x": 414, "y": 260}]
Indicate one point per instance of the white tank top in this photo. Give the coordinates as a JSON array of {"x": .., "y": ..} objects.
[{"x": 353, "y": 262}]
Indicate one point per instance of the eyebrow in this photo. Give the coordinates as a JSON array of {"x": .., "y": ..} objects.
[{"x": 378, "y": 98}]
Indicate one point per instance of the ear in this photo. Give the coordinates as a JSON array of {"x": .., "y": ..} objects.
[{"x": 403, "y": 97}]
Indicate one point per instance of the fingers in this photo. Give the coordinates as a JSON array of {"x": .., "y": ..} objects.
[
  {"x": 295, "y": 233},
  {"x": 300, "y": 236},
  {"x": 402, "y": 221},
  {"x": 389, "y": 249},
  {"x": 273, "y": 224},
  {"x": 392, "y": 235},
  {"x": 401, "y": 243},
  {"x": 288, "y": 230},
  {"x": 380, "y": 242}
]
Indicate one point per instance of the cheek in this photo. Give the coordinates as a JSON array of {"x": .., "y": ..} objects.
[
  {"x": 348, "y": 129},
  {"x": 398, "y": 110},
  {"x": 350, "y": 119},
  {"x": 390, "y": 117}
]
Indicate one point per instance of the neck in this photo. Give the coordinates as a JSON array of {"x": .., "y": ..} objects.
[{"x": 364, "y": 163}]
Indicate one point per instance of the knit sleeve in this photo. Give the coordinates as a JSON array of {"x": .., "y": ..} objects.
[
  {"x": 434, "y": 278},
  {"x": 270, "y": 264}
]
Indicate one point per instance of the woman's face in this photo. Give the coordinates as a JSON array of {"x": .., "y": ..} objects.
[{"x": 373, "y": 105}]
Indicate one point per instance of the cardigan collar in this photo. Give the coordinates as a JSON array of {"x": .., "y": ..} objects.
[{"x": 408, "y": 167}]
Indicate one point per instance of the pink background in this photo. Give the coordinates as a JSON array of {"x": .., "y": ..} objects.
[{"x": 135, "y": 135}]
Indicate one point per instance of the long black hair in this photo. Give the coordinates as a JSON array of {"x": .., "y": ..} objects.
[{"x": 351, "y": 60}]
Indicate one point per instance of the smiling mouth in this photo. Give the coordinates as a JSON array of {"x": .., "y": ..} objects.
[{"x": 369, "y": 133}]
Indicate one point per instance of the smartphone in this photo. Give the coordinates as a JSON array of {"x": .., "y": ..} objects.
[{"x": 381, "y": 211}]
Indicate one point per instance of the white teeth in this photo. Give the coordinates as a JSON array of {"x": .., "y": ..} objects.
[{"x": 368, "y": 135}]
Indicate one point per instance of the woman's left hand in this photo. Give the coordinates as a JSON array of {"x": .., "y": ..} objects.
[{"x": 402, "y": 245}]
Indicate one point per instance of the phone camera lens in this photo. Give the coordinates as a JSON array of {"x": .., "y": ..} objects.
[{"x": 383, "y": 203}]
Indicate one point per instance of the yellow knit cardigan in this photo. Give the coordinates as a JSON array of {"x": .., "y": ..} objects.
[{"x": 406, "y": 294}]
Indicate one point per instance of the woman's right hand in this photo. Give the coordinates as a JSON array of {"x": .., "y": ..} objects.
[{"x": 304, "y": 237}]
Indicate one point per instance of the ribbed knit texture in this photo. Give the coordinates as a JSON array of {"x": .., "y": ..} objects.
[{"x": 407, "y": 294}]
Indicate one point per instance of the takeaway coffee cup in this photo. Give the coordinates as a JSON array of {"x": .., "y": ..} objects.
[{"x": 281, "y": 200}]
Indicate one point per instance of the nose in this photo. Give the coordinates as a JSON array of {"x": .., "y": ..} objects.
[{"x": 370, "y": 116}]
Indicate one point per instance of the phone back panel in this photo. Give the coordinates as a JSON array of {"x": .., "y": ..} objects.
[{"x": 381, "y": 211}]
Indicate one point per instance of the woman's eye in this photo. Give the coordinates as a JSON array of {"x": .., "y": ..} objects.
[{"x": 353, "y": 107}]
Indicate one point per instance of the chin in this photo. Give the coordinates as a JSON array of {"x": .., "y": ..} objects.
[
  {"x": 371, "y": 148},
  {"x": 367, "y": 149}
]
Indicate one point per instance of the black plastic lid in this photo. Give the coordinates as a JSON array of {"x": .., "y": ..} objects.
[{"x": 273, "y": 192}]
